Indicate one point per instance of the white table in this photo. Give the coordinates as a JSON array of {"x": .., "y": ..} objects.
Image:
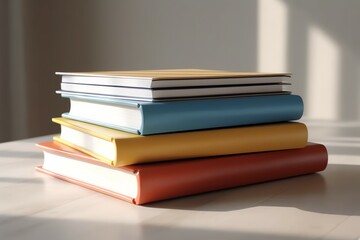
[{"x": 317, "y": 206}]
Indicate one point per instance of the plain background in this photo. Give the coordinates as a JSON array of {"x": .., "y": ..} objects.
[{"x": 318, "y": 41}]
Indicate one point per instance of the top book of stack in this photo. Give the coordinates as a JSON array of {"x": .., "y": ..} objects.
[{"x": 172, "y": 84}]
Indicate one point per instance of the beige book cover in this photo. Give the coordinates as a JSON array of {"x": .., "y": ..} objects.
[{"x": 175, "y": 74}]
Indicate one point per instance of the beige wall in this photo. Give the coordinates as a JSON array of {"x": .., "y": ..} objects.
[{"x": 316, "y": 40}]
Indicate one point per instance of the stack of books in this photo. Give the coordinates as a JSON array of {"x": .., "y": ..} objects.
[{"x": 145, "y": 136}]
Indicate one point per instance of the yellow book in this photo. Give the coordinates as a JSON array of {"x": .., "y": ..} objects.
[{"x": 119, "y": 148}]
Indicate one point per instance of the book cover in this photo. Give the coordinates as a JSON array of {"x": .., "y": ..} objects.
[
  {"x": 177, "y": 116},
  {"x": 158, "y": 75},
  {"x": 165, "y": 180},
  {"x": 119, "y": 148}
]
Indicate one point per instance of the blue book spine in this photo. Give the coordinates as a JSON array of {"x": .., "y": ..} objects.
[{"x": 180, "y": 116}]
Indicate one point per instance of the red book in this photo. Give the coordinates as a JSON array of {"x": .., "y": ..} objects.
[{"x": 150, "y": 182}]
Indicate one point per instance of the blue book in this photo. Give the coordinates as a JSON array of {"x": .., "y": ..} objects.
[{"x": 146, "y": 118}]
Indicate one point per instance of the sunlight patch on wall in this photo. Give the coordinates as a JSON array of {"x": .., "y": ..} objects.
[
  {"x": 323, "y": 76},
  {"x": 272, "y": 36}
]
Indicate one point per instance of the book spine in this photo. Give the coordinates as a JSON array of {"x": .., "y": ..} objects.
[
  {"x": 225, "y": 141},
  {"x": 181, "y": 178},
  {"x": 215, "y": 113}
]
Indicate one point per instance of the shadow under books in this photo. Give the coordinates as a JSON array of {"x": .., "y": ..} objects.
[
  {"x": 32, "y": 227},
  {"x": 328, "y": 192}
]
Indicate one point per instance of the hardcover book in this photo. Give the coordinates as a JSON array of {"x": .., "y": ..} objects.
[
  {"x": 118, "y": 148},
  {"x": 170, "y": 78},
  {"x": 171, "y": 93},
  {"x": 146, "y": 118},
  {"x": 144, "y": 183},
  {"x": 161, "y": 85}
]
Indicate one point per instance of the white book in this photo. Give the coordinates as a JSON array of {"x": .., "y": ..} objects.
[
  {"x": 168, "y": 78},
  {"x": 144, "y": 93}
]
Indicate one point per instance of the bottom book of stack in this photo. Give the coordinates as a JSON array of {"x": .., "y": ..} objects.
[{"x": 144, "y": 183}]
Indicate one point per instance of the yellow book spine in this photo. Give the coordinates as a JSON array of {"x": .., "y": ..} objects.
[{"x": 225, "y": 141}]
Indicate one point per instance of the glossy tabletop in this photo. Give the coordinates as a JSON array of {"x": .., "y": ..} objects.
[{"x": 317, "y": 206}]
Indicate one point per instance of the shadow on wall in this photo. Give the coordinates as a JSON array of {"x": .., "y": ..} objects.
[
  {"x": 319, "y": 44},
  {"x": 316, "y": 40},
  {"x": 45, "y": 37}
]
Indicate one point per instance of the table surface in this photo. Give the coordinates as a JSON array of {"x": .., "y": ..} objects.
[{"x": 316, "y": 206}]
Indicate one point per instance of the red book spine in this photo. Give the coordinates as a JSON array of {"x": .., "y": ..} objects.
[{"x": 180, "y": 178}]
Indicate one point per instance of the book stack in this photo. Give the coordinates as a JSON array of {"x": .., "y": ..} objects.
[{"x": 145, "y": 136}]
